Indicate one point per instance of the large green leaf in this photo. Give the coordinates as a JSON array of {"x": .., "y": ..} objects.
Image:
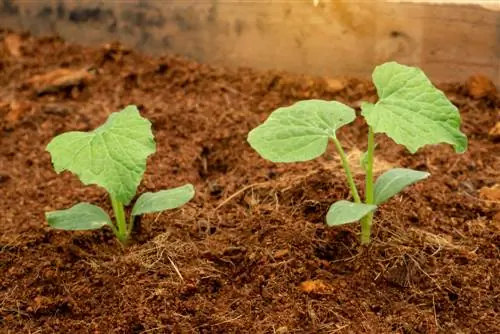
[
  {"x": 301, "y": 131},
  {"x": 82, "y": 216},
  {"x": 393, "y": 181},
  {"x": 345, "y": 212},
  {"x": 163, "y": 200},
  {"x": 112, "y": 156},
  {"x": 411, "y": 110}
]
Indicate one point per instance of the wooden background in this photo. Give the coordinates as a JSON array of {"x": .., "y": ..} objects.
[{"x": 334, "y": 38}]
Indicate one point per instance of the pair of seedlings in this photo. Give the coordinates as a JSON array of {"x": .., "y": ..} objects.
[{"x": 410, "y": 110}]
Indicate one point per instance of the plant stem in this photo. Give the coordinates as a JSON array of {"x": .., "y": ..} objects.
[
  {"x": 121, "y": 223},
  {"x": 366, "y": 222},
  {"x": 113, "y": 228},
  {"x": 130, "y": 226},
  {"x": 345, "y": 164}
]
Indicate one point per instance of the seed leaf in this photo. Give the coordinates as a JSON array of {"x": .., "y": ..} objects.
[
  {"x": 112, "y": 156},
  {"x": 301, "y": 131},
  {"x": 163, "y": 200},
  {"x": 80, "y": 217},
  {"x": 393, "y": 181},
  {"x": 345, "y": 212},
  {"x": 411, "y": 110}
]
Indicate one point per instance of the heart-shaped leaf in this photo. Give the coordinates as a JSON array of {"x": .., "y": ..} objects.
[
  {"x": 301, "y": 131},
  {"x": 393, "y": 181},
  {"x": 345, "y": 212},
  {"x": 411, "y": 110},
  {"x": 112, "y": 156},
  {"x": 80, "y": 217},
  {"x": 163, "y": 200}
]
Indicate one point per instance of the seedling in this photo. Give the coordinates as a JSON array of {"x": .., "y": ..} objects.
[
  {"x": 114, "y": 157},
  {"x": 410, "y": 110}
]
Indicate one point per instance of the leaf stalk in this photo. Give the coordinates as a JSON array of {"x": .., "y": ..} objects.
[
  {"x": 345, "y": 165},
  {"x": 366, "y": 222}
]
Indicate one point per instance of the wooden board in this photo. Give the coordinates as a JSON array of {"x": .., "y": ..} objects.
[{"x": 334, "y": 38}]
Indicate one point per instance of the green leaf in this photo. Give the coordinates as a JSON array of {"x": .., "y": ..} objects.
[
  {"x": 393, "y": 181},
  {"x": 345, "y": 212},
  {"x": 363, "y": 160},
  {"x": 82, "y": 216},
  {"x": 163, "y": 200},
  {"x": 112, "y": 156},
  {"x": 301, "y": 131},
  {"x": 411, "y": 110}
]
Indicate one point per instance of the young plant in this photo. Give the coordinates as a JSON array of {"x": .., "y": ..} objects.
[
  {"x": 410, "y": 110},
  {"x": 114, "y": 157}
]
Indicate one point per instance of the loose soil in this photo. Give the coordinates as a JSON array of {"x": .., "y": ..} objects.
[{"x": 251, "y": 253}]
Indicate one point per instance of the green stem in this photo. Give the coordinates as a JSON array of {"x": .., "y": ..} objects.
[
  {"x": 366, "y": 222},
  {"x": 130, "y": 226},
  {"x": 345, "y": 164},
  {"x": 121, "y": 223},
  {"x": 113, "y": 228}
]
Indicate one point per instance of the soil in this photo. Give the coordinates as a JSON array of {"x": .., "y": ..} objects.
[{"x": 251, "y": 253}]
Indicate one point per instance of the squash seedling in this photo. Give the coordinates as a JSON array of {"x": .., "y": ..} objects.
[
  {"x": 410, "y": 110},
  {"x": 114, "y": 157}
]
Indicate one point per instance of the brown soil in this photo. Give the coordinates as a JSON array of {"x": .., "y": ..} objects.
[{"x": 251, "y": 253}]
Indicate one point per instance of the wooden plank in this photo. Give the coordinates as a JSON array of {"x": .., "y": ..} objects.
[
  {"x": 475, "y": 46},
  {"x": 334, "y": 38}
]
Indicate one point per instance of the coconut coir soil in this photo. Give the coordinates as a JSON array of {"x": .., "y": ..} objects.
[{"x": 251, "y": 253}]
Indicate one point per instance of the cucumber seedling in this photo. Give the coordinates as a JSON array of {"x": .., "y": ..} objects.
[
  {"x": 410, "y": 110},
  {"x": 114, "y": 157}
]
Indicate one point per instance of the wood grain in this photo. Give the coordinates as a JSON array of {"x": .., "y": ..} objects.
[{"x": 334, "y": 38}]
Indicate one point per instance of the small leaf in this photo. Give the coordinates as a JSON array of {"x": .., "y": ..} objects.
[
  {"x": 363, "y": 160},
  {"x": 301, "y": 131},
  {"x": 163, "y": 200},
  {"x": 393, "y": 181},
  {"x": 345, "y": 212},
  {"x": 112, "y": 156},
  {"x": 411, "y": 110},
  {"x": 80, "y": 217}
]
